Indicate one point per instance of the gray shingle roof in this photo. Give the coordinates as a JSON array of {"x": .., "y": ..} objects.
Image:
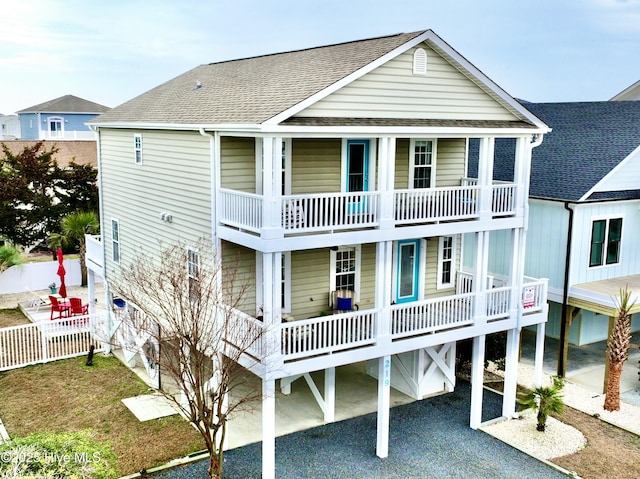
[
  {"x": 252, "y": 90},
  {"x": 588, "y": 140},
  {"x": 66, "y": 104}
]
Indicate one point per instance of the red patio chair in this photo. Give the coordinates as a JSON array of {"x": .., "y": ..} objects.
[
  {"x": 62, "y": 308},
  {"x": 77, "y": 308}
]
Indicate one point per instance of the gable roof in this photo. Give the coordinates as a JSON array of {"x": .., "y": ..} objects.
[
  {"x": 252, "y": 91},
  {"x": 587, "y": 142},
  {"x": 630, "y": 93},
  {"x": 66, "y": 104}
]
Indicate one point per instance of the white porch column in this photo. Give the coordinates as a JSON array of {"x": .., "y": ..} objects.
[
  {"x": 477, "y": 381},
  {"x": 485, "y": 178},
  {"x": 330, "y": 395},
  {"x": 91, "y": 286},
  {"x": 384, "y": 254},
  {"x": 271, "y": 308},
  {"x": 511, "y": 374},
  {"x": 539, "y": 355},
  {"x": 384, "y": 401},
  {"x": 271, "y": 187},
  {"x": 480, "y": 274},
  {"x": 386, "y": 176},
  {"x": 268, "y": 429}
]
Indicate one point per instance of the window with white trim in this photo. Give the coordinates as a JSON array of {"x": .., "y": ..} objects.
[
  {"x": 606, "y": 235},
  {"x": 420, "y": 62},
  {"x": 345, "y": 268},
  {"x": 193, "y": 272},
  {"x": 446, "y": 261},
  {"x": 56, "y": 127},
  {"x": 115, "y": 240},
  {"x": 137, "y": 148},
  {"x": 422, "y": 163}
]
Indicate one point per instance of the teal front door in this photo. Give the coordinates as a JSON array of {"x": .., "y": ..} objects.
[
  {"x": 357, "y": 172},
  {"x": 407, "y": 271}
]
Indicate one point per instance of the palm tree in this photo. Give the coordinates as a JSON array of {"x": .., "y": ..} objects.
[
  {"x": 545, "y": 399},
  {"x": 618, "y": 349},
  {"x": 74, "y": 227},
  {"x": 9, "y": 256}
]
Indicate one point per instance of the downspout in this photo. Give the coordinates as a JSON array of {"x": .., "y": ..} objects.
[
  {"x": 213, "y": 142},
  {"x": 562, "y": 367}
]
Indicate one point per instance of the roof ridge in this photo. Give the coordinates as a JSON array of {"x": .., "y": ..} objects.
[{"x": 415, "y": 34}]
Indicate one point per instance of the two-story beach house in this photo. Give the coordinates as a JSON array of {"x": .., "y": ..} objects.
[
  {"x": 63, "y": 118},
  {"x": 339, "y": 176},
  {"x": 584, "y": 215}
]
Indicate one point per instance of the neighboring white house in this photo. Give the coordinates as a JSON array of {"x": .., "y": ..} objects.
[
  {"x": 584, "y": 214},
  {"x": 9, "y": 127},
  {"x": 630, "y": 93},
  {"x": 342, "y": 167}
]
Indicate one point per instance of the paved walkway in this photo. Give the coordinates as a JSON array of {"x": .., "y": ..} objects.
[{"x": 428, "y": 439}]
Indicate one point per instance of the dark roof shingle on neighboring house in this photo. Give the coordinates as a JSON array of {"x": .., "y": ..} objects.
[
  {"x": 251, "y": 90},
  {"x": 66, "y": 104},
  {"x": 587, "y": 141}
]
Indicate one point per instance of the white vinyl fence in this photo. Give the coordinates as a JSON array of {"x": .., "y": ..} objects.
[{"x": 47, "y": 341}]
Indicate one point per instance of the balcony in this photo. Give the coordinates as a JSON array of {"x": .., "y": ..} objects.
[
  {"x": 377, "y": 332},
  {"x": 331, "y": 212},
  {"x": 94, "y": 254}
]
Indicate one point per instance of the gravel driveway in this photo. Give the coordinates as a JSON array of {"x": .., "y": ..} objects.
[{"x": 428, "y": 439}]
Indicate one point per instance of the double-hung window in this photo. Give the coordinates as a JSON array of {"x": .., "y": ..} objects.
[
  {"x": 193, "y": 272},
  {"x": 605, "y": 241},
  {"x": 446, "y": 261},
  {"x": 345, "y": 268},
  {"x": 422, "y": 163},
  {"x": 137, "y": 148},
  {"x": 115, "y": 240}
]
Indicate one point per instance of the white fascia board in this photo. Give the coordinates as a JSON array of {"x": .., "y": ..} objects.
[
  {"x": 440, "y": 132},
  {"x": 631, "y": 157},
  {"x": 346, "y": 80}
]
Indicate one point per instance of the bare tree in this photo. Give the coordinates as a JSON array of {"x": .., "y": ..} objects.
[
  {"x": 618, "y": 349},
  {"x": 183, "y": 305}
]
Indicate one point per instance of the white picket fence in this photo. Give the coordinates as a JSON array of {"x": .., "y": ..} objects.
[{"x": 47, "y": 341}]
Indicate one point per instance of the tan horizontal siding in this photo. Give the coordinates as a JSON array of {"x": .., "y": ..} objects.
[
  {"x": 316, "y": 166},
  {"x": 393, "y": 91},
  {"x": 174, "y": 178},
  {"x": 239, "y": 275},
  {"x": 309, "y": 283},
  {"x": 450, "y": 161},
  {"x": 238, "y": 164}
]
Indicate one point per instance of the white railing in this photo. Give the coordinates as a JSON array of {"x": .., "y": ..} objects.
[
  {"x": 498, "y": 303},
  {"x": 240, "y": 209},
  {"x": 534, "y": 294},
  {"x": 503, "y": 200},
  {"x": 247, "y": 334},
  {"x": 94, "y": 251},
  {"x": 329, "y": 211},
  {"x": 47, "y": 341},
  {"x": 431, "y": 315},
  {"x": 435, "y": 204},
  {"x": 327, "y": 334},
  {"x": 68, "y": 135}
]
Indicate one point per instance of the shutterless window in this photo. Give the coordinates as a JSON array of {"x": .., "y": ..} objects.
[
  {"x": 422, "y": 161},
  {"x": 446, "y": 261},
  {"x": 137, "y": 147},
  {"x": 115, "y": 240},
  {"x": 193, "y": 271},
  {"x": 346, "y": 269},
  {"x": 605, "y": 241}
]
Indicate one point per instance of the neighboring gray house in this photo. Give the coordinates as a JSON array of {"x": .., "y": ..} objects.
[
  {"x": 63, "y": 118},
  {"x": 328, "y": 174},
  {"x": 584, "y": 213}
]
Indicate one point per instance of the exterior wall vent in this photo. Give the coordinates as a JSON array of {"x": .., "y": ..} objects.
[{"x": 420, "y": 62}]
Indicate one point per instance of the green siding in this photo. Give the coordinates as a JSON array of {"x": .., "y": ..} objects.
[
  {"x": 316, "y": 166},
  {"x": 238, "y": 164}
]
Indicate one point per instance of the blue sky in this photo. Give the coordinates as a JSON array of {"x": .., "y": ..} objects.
[{"x": 111, "y": 51}]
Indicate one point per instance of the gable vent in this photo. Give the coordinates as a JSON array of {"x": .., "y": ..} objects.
[{"x": 420, "y": 62}]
